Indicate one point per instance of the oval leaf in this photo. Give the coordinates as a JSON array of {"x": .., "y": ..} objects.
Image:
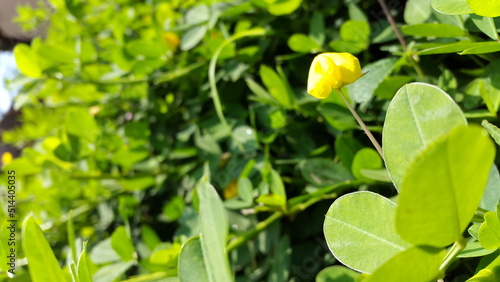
[
  {"x": 27, "y": 61},
  {"x": 191, "y": 262},
  {"x": 359, "y": 230},
  {"x": 451, "y": 7},
  {"x": 489, "y": 232},
  {"x": 443, "y": 187},
  {"x": 302, "y": 43},
  {"x": 413, "y": 265},
  {"x": 419, "y": 114}
]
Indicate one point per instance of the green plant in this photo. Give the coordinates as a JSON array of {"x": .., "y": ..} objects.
[{"x": 175, "y": 140}]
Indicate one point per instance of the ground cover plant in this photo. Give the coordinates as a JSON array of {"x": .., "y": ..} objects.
[{"x": 176, "y": 141}]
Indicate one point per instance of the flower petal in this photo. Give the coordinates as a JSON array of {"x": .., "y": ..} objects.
[{"x": 348, "y": 65}]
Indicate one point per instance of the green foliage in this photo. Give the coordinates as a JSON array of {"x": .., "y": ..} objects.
[
  {"x": 440, "y": 179},
  {"x": 360, "y": 231},
  {"x": 43, "y": 264},
  {"x": 419, "y": 114},
  {"x": 175, "y": 141}
]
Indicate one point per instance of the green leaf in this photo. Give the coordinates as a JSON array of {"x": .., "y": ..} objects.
[
  {"x": 337, "y": 116},
  {"x": 260, "y": 92},
  {"x": 355, "y": 31},
  {"x": 56, "y": 53},
  {"x": 213, "y": 234},
  {"x": 84, "y": 274},
  {"x": 81, "y": 123},
  {"x": 491, "y": 98},
  {"x": 103, "y": 252},
  {"x": 346, "y": 148},
  {"x": 317, "y": 28},
  {"x": 362, "y": 90},
  {"x": 149, "y": 237},
  {"x": 128, "y": 157},
  {"x": 491, "y": 196},
  {"x": 377, "y": 174},
  {"x": 272, "y": 200},
  {"x": 302, "y": 43},
  {"x": 192, "y": 265},
  {"x": 147, "y": 48},
  {"x": 388, "y": 88},
  {"x": 276, "y": 185},
  {"x": 417, "y": 11},
  {"x": 474, "y": 249},
  {"x": 355, "y": 12},
  {"x": 245, "y": 189},
  {"x": 174, "y": 208},
  {"x": 42, "y": 263},
  {"x": 443, "y": 187},
  {"x": 336, "y": 273},
  {"x": 281, "y": 261},
  {"x": 347, "y": 46},
  {"x": 111, "y": 272},
  {"x": 366, "y": 158},
  {"x": 355, "y": 37},
  {"x": 486, "y": 25},
  {"x": 485, "y": 8},
  {"x": 491, "y": 48},
  {"x": 490, "y": 273},
  {"x": 460, "y": 46},
  {"x": 473, "y": 230},
  {"x": 451, "y": 7},
  {"x": 492, "y": 130},
  {"x": 27, "y": 61},
  {"x": 198, "y": 14},
  {"x": 71, "y": 237},
  {"x": 167, "y": 254},
  {"x": 489, "y": 231},
  {"x": 283, "y": 7},
  {"x": 359, "y": 230},
  {"x": 275, "y": 85},
  {"x": 245, "y": 195},
  {"x": 122, "y": 244},
  {"x": 247, "y": 138},
  {"x": 192, "y": 37},
  {"x": 323, "y": 172},
  {"x": 419, "y": 263},
  {"x": 419, "y": 114},
  {"x": 433, "y": 29}
]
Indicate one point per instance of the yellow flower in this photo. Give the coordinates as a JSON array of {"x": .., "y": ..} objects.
[
  {"x": 231, "y": 190},
  {"x": 172, "y": 40},
  {"x": 332, "y": 71},
  {"x": 6, "y": 158}
]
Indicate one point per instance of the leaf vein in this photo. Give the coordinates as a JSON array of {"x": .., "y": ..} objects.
[{"x": 401, "y": 248}]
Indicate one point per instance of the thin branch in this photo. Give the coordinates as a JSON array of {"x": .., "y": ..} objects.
[
  {"x": 363, "y": 125},
  {"x": 393, "y": 24}
]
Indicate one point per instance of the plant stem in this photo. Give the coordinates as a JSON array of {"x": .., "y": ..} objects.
[
  {"x": 457, "y": 247},
  {"x": 393, "y": 24},
  {"x": 296, "y": 204},
  {"x": 247, "y": 236},
  {"x": 337, "y": 187},
  {"x": 212, "y": 82},
  {"x": 363, "y": 125}
]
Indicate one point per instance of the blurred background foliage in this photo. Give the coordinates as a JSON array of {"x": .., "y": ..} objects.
[{"x": 120, "y": 111}]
